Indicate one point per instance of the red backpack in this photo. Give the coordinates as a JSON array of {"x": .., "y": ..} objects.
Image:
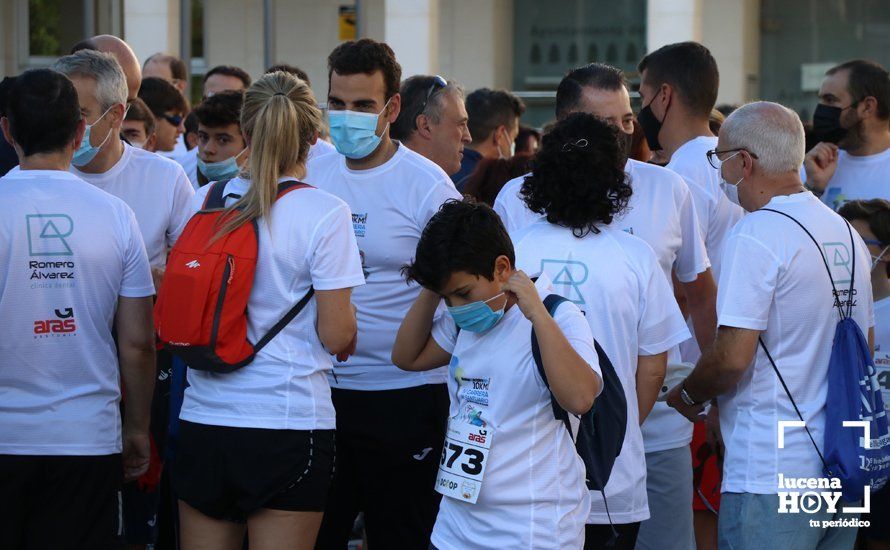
[{"x": 201, "y": 311}]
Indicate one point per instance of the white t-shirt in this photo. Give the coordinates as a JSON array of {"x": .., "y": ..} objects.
[
  {"x": 390, "y": 205},
  {"x": 882, "y": 347},
  {"x": 320, "y": 149},
  {"x": 631, "y": 311},
  {"x": 157, "y": 190},
  {"x": 309, "y": 242},
  {"x": 775, "y": 281},
  {"x": 661, "y": 212},
  {"x": 533, "y": 493},
  {"x": 68, "y": 252},
  {"x": 189, "y": 163},
  {"x": 716, "y": 213},
  {"x": 858, "y": 178}
]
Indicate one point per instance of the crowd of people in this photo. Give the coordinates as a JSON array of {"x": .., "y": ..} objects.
[{"x": 455, "y": 331}]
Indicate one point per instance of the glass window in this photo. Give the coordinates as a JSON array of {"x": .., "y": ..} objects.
[
  {"x": 799, "y": 41},
  {"x": 47, "y": 35},
  {"x": 554, "y": 36}
]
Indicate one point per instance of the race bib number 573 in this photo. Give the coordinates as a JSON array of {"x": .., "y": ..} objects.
[{"x": 464, "y": 458}]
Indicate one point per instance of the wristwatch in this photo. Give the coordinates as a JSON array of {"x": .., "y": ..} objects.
[{"x": 684, "y": 395}]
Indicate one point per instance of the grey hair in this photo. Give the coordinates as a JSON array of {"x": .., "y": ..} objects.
[
  {"x": 436, "y": 103},
  {"x": 111, "y": 84},
  {"x": 771, "y": 131}
]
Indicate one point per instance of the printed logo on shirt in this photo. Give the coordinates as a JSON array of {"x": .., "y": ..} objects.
[
  {"x": 567, "y": 276},
  {"x": 62, "y": 325},
  {"x": 628, "y": 230},
  {"x": 360, "y": 224},
  {"x": 47, "y": 233},
  {"x": 60, "y": 272},
  {"x": 839, "y": 262}
]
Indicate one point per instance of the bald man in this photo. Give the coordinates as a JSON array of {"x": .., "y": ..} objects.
[{"x": 124, "y": 55}]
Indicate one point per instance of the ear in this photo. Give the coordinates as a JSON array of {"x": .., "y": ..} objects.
[
  {"x": 502, "y": 269},
  {"x": 667, "y": 94},
  {"x": 395, "y": 107},
  {"x": 151, "y": 144},
  {"x": 495, "y": 136},
  {"x": 78, "y": 133},
  {"x": 868, "y": 107},
  {"x": 423, "y": 126},
  {"x": 314, "y": 139},
  {"x": 4, "y": 125}
]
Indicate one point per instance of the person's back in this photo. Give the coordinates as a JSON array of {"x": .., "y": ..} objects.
[
  {"x": 272, "y": 421},
  {"x": 615, "y": 279},
  {"x": 74, "y": 267}
]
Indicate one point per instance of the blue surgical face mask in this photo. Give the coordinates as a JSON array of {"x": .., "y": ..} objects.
[
  {"x": 222, "y": 170},
  {"x": 355, "y": 134},
  {"x": 477, "y": 316},
  {"x": 731, "y": 189},
  {"x": 86, "y": 152}
]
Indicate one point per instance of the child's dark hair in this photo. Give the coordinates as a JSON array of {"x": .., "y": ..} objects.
[
  {"x": 462, "y": 236},
  {"x": 42, "y": 108},
  {"x": 220, "y": 110},
  {"x": 578, "y": 180}
]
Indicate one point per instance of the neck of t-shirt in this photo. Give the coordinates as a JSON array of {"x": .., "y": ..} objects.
[{"x": 379, "y": 157}]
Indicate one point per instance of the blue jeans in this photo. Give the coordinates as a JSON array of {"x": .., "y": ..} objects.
[{"x": 752, "y": 522}]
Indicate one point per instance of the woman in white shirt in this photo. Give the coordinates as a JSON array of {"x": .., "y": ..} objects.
[
  {"x": 872, "y": 220},
  {"x": 257, "y": 443}
]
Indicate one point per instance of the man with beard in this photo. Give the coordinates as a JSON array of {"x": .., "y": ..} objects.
[{"x": 852, "y": 124}]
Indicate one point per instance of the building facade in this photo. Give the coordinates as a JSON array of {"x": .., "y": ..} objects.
[{"x": 766, "y": 49}]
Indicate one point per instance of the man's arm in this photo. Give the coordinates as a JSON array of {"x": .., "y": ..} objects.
[
  {"x": 720, "y": 368},
  {"x": 701, "y": 304},
  {"x": 136, "y": 352},
  {"x": 650, "y": 376}
]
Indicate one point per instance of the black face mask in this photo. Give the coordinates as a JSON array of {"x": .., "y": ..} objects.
[
  {"x": 827, "y": 124},
  {"x": 651, "y": 126}
]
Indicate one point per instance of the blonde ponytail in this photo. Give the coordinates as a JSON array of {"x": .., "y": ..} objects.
[{"x": 279, "y": 119}]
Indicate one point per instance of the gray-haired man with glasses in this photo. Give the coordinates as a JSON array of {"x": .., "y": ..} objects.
[{"x": 433, "y": 120}]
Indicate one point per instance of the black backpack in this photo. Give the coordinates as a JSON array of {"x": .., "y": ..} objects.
[{"x": 601, "y": 432}]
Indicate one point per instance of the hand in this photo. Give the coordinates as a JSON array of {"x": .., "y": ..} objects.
[
  {"x": 714, "y": 436},
  {"x": 674, "y": 400},
  {"x": 820, "y": 164},
  {"x": 527, "y": 297},
  {"x": 136, "y": 454},
  {"x": 157, "y": 276},
  {"x": 350, "y": 349}
]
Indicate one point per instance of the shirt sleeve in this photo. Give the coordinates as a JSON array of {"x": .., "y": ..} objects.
[
  {"x": 136, "y": 281},
  {"x": 692, "y": 257},
  {"x": 748, "y": 279},
  {"x": 442, "y": 191},
  {"x": 334, "y": 262},
  {"x": 577, "y": 331},
  {"x": 444, "y": 332},
  {"x": 197, "y": 200},
  {"x": 183, "y": 192},
  {"x": 661, "y": 325}
]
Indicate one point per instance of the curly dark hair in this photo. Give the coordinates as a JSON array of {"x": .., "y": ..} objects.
[
  {"x": 578, "y": 177},
  {"x": 366, "y": 56}
]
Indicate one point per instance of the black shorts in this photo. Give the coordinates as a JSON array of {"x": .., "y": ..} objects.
[
  {"x": 879, "y": 528},
  {"x": 60, "y": 502},
  {"x": 228, "y": 473}
]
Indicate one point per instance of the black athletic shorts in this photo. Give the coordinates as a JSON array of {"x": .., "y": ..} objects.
[
  {"x": 228, "y": 473},
  {"x": 60, "y": 502}
]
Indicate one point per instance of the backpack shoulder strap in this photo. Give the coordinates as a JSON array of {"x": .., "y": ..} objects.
[
  {"x": 284, "y": 321},
  {"x": 215, "y": 198},
  {"x": 286, "y": 187},
  {"x": 552, "y": 303}
]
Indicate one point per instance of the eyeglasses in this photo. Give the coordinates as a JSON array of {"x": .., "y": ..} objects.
[
  {"x": 438, "y": 83},
  {"x": 175, "y": 120},
  {"x": 714, "y": 158}
]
